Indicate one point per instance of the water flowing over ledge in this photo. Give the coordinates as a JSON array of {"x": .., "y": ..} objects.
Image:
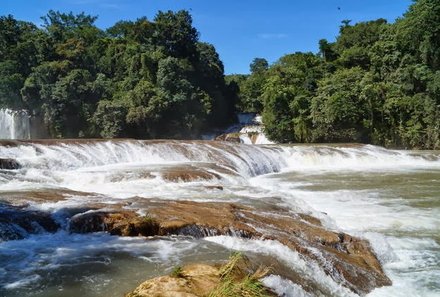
[
  {"x": 64, "y": 178},
  {"x": 245, "y": 160},
  {"x": 14, "y": 124}
]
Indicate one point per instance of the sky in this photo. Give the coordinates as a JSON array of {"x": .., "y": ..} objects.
[{"x": 239, "y": 29}]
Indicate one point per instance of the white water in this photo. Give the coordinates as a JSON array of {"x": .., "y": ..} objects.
[
  {"x": 63, "y": 264},
  {"x": 254, "y": 135},
  {"x": 365, "y": 190},
  {"x": 284, "y": 287},
  {"x": 309, "y": 270},
  {"x": 249, "y": 128},
  {"x": 14, "y": 124}
]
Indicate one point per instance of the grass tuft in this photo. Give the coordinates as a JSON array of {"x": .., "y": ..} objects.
[
  {"x": 236, "y": 283},
  {"x": 177, "y": 272},
  {"x": 232, "y": 265}
]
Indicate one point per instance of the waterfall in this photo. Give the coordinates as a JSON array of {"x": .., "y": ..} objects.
[
  {"x": 14, "y": 124},
  {"x": 245, "y": 160},
  {"x": 387, "y": 196}
]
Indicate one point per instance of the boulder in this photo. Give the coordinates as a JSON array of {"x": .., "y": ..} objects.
[
  {"x": 9, "y": 164},
  {"x": 18, "y": 222},
  {"x": 197, "y": 281},
  {"x": 122, "y": 223},
  {"x": 353, "y": 263}
]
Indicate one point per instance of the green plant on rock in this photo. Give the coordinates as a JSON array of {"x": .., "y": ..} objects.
[
  {"x": 177, "y": 272},
  {"x": 236, "y": 282}
]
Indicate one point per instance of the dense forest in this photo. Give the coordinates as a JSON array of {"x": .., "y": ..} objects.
[
  {"x": 377, "y": 83},
  {"x": 144, "y": 79}
]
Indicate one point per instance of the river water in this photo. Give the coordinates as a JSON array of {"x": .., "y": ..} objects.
[{"x": 391, "y": 198}]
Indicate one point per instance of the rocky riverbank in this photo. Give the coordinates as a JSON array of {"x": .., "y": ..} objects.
[
  {"x": 150, "y": 205},
  {"x": 348, "y": 260}
]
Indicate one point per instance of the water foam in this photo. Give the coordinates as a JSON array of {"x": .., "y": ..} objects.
[
  {"x": 38, "y": 256},
  {"x": 311, "y": 179},
  {"x": 309, "y": 159},
  {"x": 284, "y": 287},
  {"x": 308, "y": 269},
  {"x": 14, "y": 124}
]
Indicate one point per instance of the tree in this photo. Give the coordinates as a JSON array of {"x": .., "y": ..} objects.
[
  {"x": 292, "y": 82},
  {"x": 209, "y": 76},
  {"x": 259, "y": 65},
  {"x": 377, "y": 82},
  {"x": 338, "y": 108},
  {"x": 418, "y": 32},
  {"x": 174, "y": 34},
  {"x": 153, "y": 77},
  {"x": 326, "y": 50}
]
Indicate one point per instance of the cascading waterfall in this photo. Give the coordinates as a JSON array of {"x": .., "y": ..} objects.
[
  {"x": 14, "y": 124},
  {"x": 362, "y": 189},
  {"x": 247, "y": 161}
]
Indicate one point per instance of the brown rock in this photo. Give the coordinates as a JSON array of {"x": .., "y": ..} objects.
[
  {"x": 189, "y": 173},
  {"x": 23, "y": 198},
  {"x": 186, "y": 175},
  {"x": 123, "y": 223},
  {"x": 353, "y": 264},
  {"x": 201, "y": 280},
  {"x": 197, "y": 281},
  {"x": 230, "y": 137}
]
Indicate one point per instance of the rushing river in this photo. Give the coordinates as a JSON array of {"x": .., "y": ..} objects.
[{"x": 391, "y": 198}]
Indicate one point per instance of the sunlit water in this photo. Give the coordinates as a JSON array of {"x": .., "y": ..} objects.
[
  {"x": 391, "y": 198},
  {"x": 397, "y": 210}
]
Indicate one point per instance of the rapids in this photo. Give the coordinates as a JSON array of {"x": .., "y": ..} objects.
[{"x": 386, "y": 196}]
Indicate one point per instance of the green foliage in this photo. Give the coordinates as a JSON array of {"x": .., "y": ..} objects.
[
  {"x": 291, "y": 83},
  {"x": 229, "y": 267},
  {"x": 418, "y": 32},
  {"x": 174, "y": 33},
  {"x": 338, "y": 109},
  {"x": 248, "y": 287},
  {"x": 110, "y": 118},
  {"x": 177, "y": 272},
  {"x": 137, "y": 79},
  {"x": 259, "y": 65},
  {"x": 251, "y": 87},
  {"x": 10, "y": 84},
  {"x": 377, "y": 83}
]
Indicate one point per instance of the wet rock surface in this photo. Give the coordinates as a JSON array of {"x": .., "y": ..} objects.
[
  {"x": 230, "y": 137},
  {"x": 27, "y": 197},
  {"x": 18, "y": 222},
  {"x": 122, "y": 223},
  {"x": 9, "y": 164},
  {"x": 347, "y": 259}
]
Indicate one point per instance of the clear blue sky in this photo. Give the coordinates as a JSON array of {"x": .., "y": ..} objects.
[{"x": 240, "y": 29}]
